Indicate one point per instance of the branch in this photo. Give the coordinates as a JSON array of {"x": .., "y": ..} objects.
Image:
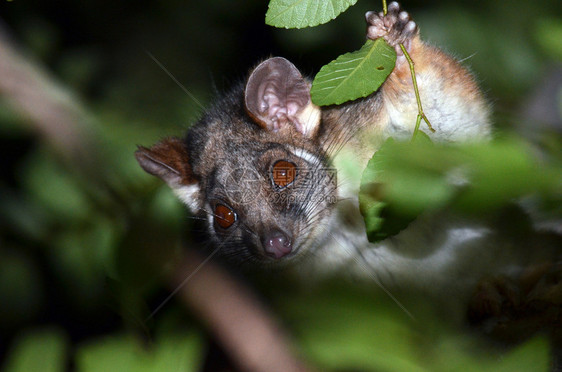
[
  {"x": 245, "y": 329},
  {"x": 51, "y": 109}
]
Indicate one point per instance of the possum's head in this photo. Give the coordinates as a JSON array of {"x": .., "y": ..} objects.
[{"x": 253, "y": 168}]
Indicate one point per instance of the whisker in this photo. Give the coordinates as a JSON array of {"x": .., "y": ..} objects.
[
  {"x": 186, "y": 91},
  {"x": 176, "y": 290},
  {"x": 385, "y": 290}
]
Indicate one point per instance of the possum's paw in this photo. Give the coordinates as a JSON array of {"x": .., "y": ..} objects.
[
  {"x": 396, "y": 27},
  {"x": 493, "y": 300},
  {"x": 512, "y": 310}
]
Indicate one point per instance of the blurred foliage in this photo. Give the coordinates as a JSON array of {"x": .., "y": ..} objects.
[
  {"x": 405, "y": 179},
  {"x": 370, "y": 333},
  {"x": 40, "y": 350},
  {"x": 81, "y": 263}
]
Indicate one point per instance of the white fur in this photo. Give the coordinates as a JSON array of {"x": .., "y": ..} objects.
[
  {"x": 436, "y": 255},
  {"x": 305, "y": 155},
  {"x": 454, "y": 118},
  {"x": 190, "y": 196}
]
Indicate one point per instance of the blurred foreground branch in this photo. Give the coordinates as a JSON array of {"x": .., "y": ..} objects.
[
  {"x": 241, "y": 324},
  {"x": 52, "y": 110}
]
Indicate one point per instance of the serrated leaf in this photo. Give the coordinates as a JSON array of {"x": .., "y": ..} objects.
[
  {"x": 304, "y": 13},
  {"x": 354, "y": 75}
]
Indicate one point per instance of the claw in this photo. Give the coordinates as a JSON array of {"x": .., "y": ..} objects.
[
  {"x": 410, "y": 26},
  {"x": 394, "y": 6}
]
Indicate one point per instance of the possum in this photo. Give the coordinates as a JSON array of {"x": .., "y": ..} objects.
[{"x": 266, "y": 169}]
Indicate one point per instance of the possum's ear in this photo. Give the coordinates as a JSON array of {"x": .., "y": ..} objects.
[
  {"x": 168, "y": 160},
  {"x": 277, "y": 94}
]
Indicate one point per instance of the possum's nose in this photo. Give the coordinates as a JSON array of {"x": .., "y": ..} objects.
[{"x": 277, "y": 244}]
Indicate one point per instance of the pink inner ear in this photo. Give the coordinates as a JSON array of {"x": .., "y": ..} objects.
[
  {"x": 276, "y": 93},
  {"x": 292, "y": 108},
  {"x": 272, "y": 108}
]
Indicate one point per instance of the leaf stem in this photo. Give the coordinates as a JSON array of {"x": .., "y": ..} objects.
[
  {"x": 421, "y": 114},
  {"x": 417, "y": 128},
  {"x": 384, "y": 7}
]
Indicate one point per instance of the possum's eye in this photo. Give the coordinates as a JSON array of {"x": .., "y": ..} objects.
[
  {"x": 224, "y": 216},
  {"x": 283, "y": 173}
]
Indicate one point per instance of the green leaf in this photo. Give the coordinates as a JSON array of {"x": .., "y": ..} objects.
[
  {"x": 404, "y": 179},
  {"x": 124, "y": 353},
  {"x": 366, "y": 334},
  {"x": 342, "y": 326},
  {"x": 304, "y": 13},
  {"x": 398, "y": 185},
  {"x": 501, "y": 171},
  {"x": 41, "y": 350},
  {"x": 533, "y": 354},
  {"x": 354, "y": 75}
]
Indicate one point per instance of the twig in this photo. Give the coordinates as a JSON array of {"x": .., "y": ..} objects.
[
  {"x": 421, "y": 114},
  {"x": 53, "y": 112}
]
